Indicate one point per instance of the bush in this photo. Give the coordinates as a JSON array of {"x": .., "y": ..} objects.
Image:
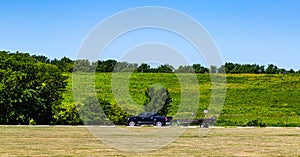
[
  {"x": 32, "y": 122},
  {"x": 256, "y": 123},
  {"x": 98, "y": 111}
]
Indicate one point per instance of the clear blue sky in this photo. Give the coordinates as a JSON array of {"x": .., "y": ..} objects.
[{"x": 245, "y": 31}]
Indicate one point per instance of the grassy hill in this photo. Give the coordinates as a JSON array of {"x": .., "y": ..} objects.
[{"x": 251, "y": 99}]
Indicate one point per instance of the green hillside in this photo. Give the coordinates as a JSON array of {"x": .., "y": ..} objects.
[{"x": 251, "y": 99}]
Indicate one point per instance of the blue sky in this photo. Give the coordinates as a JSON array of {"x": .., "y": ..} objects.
[{"x": 245, "y": 31}]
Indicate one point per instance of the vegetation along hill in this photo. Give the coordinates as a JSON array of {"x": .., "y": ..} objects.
[
  {"x": 251, "y": 99},
  {"x": 37, "y": 90}
]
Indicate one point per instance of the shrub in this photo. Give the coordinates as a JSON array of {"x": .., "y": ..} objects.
[{"x": 256, "y": 122}]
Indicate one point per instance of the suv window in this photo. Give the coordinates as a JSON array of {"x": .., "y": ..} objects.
[
  {"x": 146, "y": 114},
  {"x": 142, "y": 114},
  {"x": 149, "y": 114}
]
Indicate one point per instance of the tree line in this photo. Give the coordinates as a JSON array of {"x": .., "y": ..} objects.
[
  {"x": 230, "y": 68},
  {"x": 66, "y": 64}
]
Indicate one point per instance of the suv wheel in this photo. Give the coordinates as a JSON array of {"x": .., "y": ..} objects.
[
  {"x": 131, "y": 123},
  {"x": 158, "y": 124}
]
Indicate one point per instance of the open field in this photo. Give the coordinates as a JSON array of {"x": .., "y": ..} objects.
[{"x": 77, "y": 141}]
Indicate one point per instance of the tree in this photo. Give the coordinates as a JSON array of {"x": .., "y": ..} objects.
[
  {"x": 282, "y": 71},
  {"x": 200, "y": 69},
  {"x": 106, "y": 66},
  {"x": 90, "y": 111},
  {"x": 66, "y": 64},
  {"x": 40, "y": 58},
  {"x": 166, "y": 68},
  {"x": 272, "y": 69},
  {"x": 115, "y": 113},
  {"x": 67, "y": 115},
  {"x": 144, "y": 68},
  {"x": 261, "y": 69},
  {"x": 184, "y": 69},
  {"x": 125, "y": 67},
  {"x": 291, "y": 71},
  {"x": 82, "y": 66},
  {"x": 222, "y": 69},
  {"x": 213, "y": 69},
  {"x": 229, "y": 67},
  {"x": 158, "y": 100},
  {"x": 95, "y": 111},
  {"x": 243, "y": 68},
  {"x": 29, "y": 90}
]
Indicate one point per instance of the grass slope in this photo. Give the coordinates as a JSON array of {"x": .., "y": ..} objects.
[{"x": 250, "y": 98}]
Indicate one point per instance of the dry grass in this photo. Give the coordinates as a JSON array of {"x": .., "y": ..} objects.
[{"x": 77, "y": 141}]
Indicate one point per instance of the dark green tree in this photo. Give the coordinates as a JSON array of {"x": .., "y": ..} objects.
[
  {"x": 291, "y": 71},
  {"x": 185, "y": 69},
  {"x": 29, "y": 90},
  {"x": 213, "y": 69},
  {"x": 144, "y": 68},
  {"x": 82, "y": 66},
  {"x": 229, "y": 67},
  {"x": 95, "y": 111},
  {"x": 272, "y": 69},
  {"x": 282, "y": 71},
  {"x": 222, "y": 69},
  {"x": 158, "y": 100},
  {"x": 90, "y": 111},
  {"x": 166, "y": 68},
  {"x": 67, "y": 115},
  {"x": 200, "y": 69},
  {"x": 125, "y": 67},
  {"x": 65, "y": 64},
  {"x": 105, "y": 66},
  {"x": 41, "y": 58}
]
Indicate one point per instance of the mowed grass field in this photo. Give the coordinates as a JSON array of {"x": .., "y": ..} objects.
[
  {"x": 78, "y": 141},
  {"x": 273, "y": 100}
]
